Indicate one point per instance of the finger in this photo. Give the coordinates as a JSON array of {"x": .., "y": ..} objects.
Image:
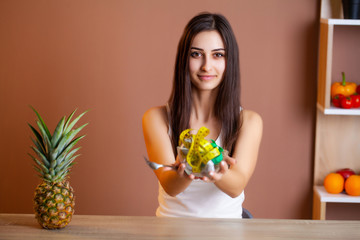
[
  {"x": 230, "y": 161},
  {"x": 169, "y": 169},
  {"x": 181, "y": 169},
  {"x": 223, "y": 167},
  {"x": 177, "y": 161},
  {"x": 213, "y": 176},
  {"x": 191, "y": 176},
  {"x": 205, "y": 179},
  {"x": 182, "y": 173}
]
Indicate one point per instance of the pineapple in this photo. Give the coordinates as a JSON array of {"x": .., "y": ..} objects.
[{"x": 54, "y": 156}]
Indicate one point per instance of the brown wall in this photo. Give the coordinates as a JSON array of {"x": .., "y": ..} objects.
[{"x": 116, "y": 58}]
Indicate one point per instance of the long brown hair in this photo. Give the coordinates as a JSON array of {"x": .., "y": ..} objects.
[{"x": 227, "y": 104}]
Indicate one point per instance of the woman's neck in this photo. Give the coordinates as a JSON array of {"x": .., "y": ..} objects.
[
  {"x": 202, "y": 110},
  {"x": 203, "y": 114}
]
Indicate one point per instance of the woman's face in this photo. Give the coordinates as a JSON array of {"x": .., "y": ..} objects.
[{"x": 207, "y": 60}]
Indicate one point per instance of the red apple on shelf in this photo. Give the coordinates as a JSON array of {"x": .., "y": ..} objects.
[{"x": 345, "y": 172}]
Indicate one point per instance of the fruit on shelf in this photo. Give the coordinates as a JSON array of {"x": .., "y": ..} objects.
[
  {"x": 352, "y": 185},
  {"x": 346, "y": 102},
  {"x": 343, "y": 180},
  {"x": 334, "y": 183},
  {"x": 340, "y": 101},
  {"x": 345, "y": 172},
  {"x": 355, "y": 98},
  {"x": 345, "y": 88},
  {"x": 336, "y": 100}
]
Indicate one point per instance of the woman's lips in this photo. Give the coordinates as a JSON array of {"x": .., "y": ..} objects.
[{"x": 206, "y": 77}]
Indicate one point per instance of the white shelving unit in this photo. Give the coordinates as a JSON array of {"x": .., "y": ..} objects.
[
  {"x": 337, "y": 21},
  {"x": 321, "y": 197},
  {"x": 325, "y": 65},
  {"x": 337, "y": 140},
  {"x": 335, "y": 198},
  {"x": 338, "y": 111}
]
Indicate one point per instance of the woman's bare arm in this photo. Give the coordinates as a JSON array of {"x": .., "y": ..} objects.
[
  {"x": 159, "y": 149},
  {"x": 233, "y": 180}
]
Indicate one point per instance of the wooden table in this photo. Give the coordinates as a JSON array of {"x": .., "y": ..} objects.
[{"x": 24, "y": 226}]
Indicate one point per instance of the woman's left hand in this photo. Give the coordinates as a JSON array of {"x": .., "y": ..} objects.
[{"x": 225, "y": 165}]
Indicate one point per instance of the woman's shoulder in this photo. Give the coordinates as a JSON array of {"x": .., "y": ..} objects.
[
  {"x": 156, "y": 115},
  {"x": 251, "y": 118}
]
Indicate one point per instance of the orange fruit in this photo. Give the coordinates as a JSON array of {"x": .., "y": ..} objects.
[
  {"x": 334, "y": 183},
  {"x": 352, "y": 185}
]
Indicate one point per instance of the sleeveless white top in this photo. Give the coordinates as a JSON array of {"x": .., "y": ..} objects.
[{"x": 200, "y": 199}]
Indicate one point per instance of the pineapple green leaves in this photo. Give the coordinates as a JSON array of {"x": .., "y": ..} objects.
[{"x": 54, "y": 153}]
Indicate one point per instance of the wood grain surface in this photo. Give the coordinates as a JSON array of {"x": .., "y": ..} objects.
[{"x": 24, "y": 226}]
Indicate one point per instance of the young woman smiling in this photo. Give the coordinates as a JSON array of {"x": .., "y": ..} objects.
[{"x": 206, "y": 92}]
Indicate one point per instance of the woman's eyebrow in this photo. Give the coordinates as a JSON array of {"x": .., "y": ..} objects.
[
  {"x": 214, "y": 50},
  {"x": 218, "y": 49},
  {"x": 196, "y": 48}
]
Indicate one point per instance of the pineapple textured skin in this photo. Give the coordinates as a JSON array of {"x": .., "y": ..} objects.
[{"x": 54, "y": 204}]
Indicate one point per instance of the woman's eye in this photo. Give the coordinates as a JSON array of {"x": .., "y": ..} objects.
[
  {"x": 219, "y": 55},
  {"x": 195, "y": 54}
]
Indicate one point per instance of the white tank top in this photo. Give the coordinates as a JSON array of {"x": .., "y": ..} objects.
[{"x": 200, "y": 199}]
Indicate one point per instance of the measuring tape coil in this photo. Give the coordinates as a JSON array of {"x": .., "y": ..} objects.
[{"x": 201, "y": 155}]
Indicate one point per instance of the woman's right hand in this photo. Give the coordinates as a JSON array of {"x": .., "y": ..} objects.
[{"x": 180, "y": 168}]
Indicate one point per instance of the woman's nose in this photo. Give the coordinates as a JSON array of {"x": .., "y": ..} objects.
[{"x": 206, "y": 66}]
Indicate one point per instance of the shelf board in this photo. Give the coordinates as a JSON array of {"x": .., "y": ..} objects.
[
  {"x": 339, "y": 111},
  {"x": 335, "y": 198},
  {"x": 338, "y": 21}
]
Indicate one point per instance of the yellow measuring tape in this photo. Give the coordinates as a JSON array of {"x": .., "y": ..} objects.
[{"x": 200, "y": 150}]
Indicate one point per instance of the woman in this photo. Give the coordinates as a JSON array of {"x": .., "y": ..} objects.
[{"x": 206, "y": 93}]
